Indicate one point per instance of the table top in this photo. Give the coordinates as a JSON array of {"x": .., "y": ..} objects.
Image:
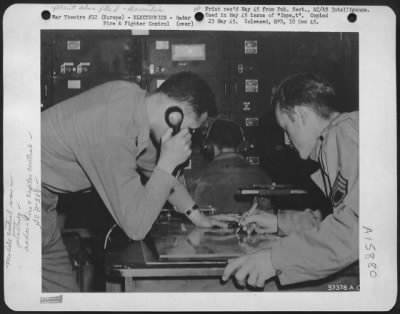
[
  {"x": 136, "y": 259},
  {"x": 182, "y": 249},
  {"x": 139, "y": 259},
  {"x": 182, "y": 241}
]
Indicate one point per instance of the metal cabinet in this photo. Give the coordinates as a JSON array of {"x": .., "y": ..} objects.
[
  {"x": 73, "y": 61},
  {"x": 242, "y": 68}
]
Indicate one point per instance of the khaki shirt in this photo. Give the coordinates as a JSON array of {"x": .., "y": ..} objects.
[
  {"x": 315, "y": 249},
  {"x": 101, "y": 138}
]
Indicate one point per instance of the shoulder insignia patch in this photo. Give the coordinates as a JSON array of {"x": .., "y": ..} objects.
[{"x": 339, "y": 190}]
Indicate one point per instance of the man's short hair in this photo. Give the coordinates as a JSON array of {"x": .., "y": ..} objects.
[
  {"x": 225, "y": 134},
  {"x": 190, "y": 88},
  {"x": 306, "y": 89}
]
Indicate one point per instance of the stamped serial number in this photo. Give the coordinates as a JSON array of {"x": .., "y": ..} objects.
[
  {"x": 370, "y": 250},
  {"x": 343, "y": 287}
]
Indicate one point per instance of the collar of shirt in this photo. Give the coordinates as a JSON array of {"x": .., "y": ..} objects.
[
  {"x": 223, "y": 156},
  {"x": 315, "y": 153}
]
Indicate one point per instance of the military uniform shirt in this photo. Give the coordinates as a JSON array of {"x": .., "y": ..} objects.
[
  {"x": 323, "y": 248},
  {"x": 101, "y": 138}
]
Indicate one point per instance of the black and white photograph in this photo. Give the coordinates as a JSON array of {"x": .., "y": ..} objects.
[
  {"x": 222, "y": 162},
  {"x": 112, "y": 102}
]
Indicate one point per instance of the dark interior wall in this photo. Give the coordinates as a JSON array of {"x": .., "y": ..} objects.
[
  {"x": 334, "y": 56},
  {"x": 91, "y": 57},
  {"x": 279, "y": 54},
  {"x": 119, "y": 55}
]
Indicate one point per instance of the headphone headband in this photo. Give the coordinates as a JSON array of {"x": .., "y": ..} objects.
[{"x": 227, "y": 120}]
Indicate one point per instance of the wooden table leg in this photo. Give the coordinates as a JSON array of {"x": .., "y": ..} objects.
[
  {"x": 114, "y": 285},
  {"x": 129, "y": 284}
]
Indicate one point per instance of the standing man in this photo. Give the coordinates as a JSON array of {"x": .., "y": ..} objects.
[
  {"x": 105, "y": 137},
  {"x": 305, "y": 108}
]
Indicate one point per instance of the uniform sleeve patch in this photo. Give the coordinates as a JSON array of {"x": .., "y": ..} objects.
[{"x": 339, "y": 190}]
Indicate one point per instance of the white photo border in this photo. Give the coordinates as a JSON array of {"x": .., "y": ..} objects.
[{"x": 22, "y": 24}]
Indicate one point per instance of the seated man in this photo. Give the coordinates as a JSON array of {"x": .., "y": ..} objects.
[
  {"x": 227, "y": 171},
  {"x": 305, "y": 108}
]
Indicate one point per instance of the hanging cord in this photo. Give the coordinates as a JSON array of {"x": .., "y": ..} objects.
[
  {"x": 323, "y": 170},
  {"x": 108, "y": 235}
]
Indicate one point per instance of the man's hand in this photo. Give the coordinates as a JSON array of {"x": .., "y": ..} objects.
[
  {"x": 253, "y": 243},
  {"x": 260, "y": 222},
  {"x": 256, "y": 267},
  {"x": 174, "y": 149},
  {"x": 203, "y": 221},
  {"x": 196, "y": 236}
]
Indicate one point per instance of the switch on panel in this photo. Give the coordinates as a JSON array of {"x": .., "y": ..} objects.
[
  {"x": 82, "y": 67},
  {"x": 253, "y": 160},
  {"x": 247, "y": 106},
  {"x": 162, "y": 45},
  {"x": 74, "y": 84},
  {"x": 251, "y": 86},
  {"x": 251, "y": 121},
  {"x": 67, "y": 68},
  {"x": 250, "y": 47},
  {"x": 73, "y": 45},
  {"x": 245, "y": 68}
]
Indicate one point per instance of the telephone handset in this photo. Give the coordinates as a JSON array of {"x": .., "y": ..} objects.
[{"x": 174, "y": 118}]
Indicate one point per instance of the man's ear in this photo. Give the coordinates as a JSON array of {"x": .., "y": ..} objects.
[
  {"x": 300, "y": 113},
  {"x": 216, "y": 150}
]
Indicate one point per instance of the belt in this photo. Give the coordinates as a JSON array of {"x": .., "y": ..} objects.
[{"x": 49, "y": 199}]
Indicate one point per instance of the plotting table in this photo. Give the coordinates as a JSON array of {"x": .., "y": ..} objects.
[{"x": 181, "y": 258}]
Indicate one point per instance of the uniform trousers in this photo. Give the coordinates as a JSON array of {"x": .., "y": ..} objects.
[{"x": 57, "y": 271}]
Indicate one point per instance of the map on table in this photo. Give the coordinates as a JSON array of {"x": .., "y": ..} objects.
[{"x": 184, "y": 241}]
